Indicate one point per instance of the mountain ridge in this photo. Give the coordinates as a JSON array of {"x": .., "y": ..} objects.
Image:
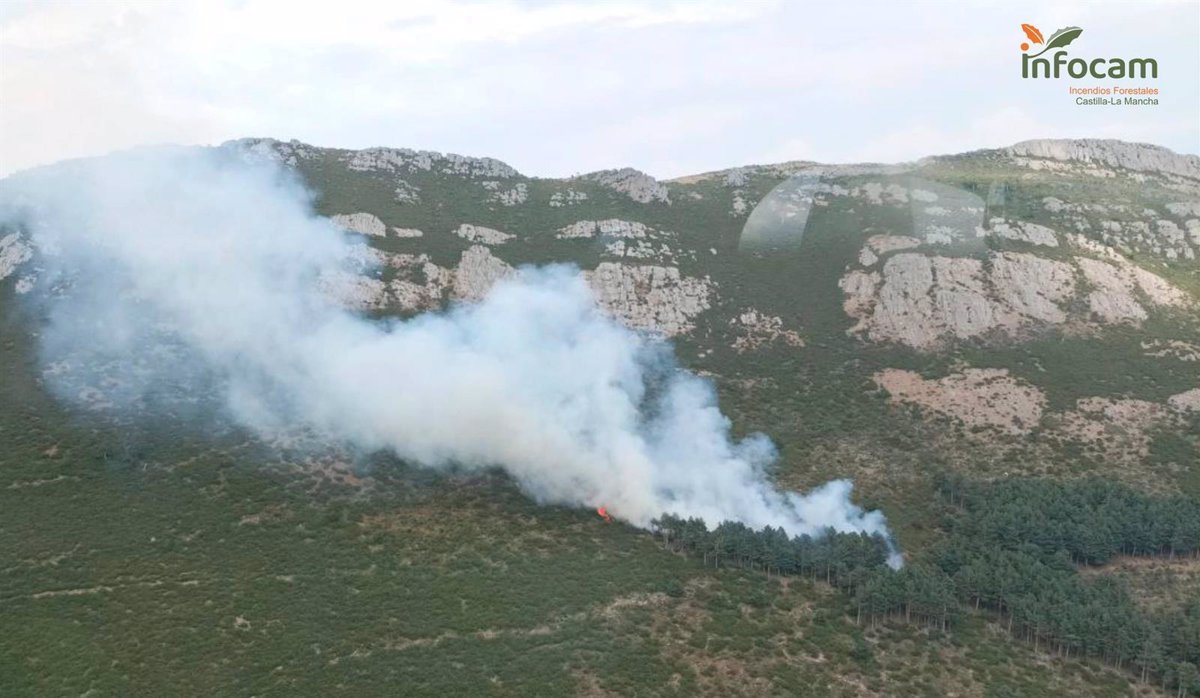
[{"x": 1146, "y": 156}]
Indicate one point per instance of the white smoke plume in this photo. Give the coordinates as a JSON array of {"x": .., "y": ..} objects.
[{"x": 183, "y": 266}]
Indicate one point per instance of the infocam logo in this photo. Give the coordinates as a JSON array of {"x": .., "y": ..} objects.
[{"x": 1034, "y": 66}]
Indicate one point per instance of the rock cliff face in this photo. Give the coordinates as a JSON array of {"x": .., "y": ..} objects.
[
  {"x": 648, "y": 297},
  {"x": 925, "y": 300},
  {"x": 1112, "y": 153},
  {"x": 477, "y": 272},
  {"x": 653, "y": 298}
]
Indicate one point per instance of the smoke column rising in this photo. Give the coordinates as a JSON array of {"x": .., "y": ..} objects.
[{"x": 182, "y": 263}]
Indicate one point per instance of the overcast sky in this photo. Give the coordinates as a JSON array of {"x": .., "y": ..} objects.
[{"x": 559, "y": 88}]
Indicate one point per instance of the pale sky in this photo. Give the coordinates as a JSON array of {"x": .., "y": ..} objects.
[{"x": 556, "y": 88}]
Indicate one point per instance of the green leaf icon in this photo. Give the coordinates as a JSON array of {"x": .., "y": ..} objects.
[{"x": 1061, "y": 38}]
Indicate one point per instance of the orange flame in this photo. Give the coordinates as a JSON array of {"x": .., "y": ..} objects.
[{"x": 604, "y": 514}]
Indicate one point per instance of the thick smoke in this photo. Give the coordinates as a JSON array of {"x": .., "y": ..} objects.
[{"x": 180, "y": 267}]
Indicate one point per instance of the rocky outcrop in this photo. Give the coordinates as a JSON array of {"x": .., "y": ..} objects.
[
  {"x": 648, "y": 297},
  {"x": 255, "y": 150},
  {"x": 877, "y": 245},
  {"x": 1112, "y": 300},
  {"x": 406, "y": 193},
  {"x": 13, "y": 253},
  {"x": 1188, "y": 401},
  {"x": 407, "y": 232},
  {"x": 611, "y": 227},
  {"x": 1185, "y": 209},
  {"x": 1028, "y": 286},
  {"x": 569, "y": 197},
  {"x": 1031, "y": 233},
  {"x": 637, "y": 185},
  {"x": 755, "y": 329},
  {"x": 627, "y": 240},
  {"x": 920, "y": 299},
  {"x": 883, "y": 244},
  {"x": 422, "y": 285},
  {"x": 354, "y": 291},
  {"x": 1132, "y": 229},
  {"x": 881, "y": 194},
  {"x": 518, "y": 194},
  {"x": 478, "y": 233},
  {"x": 639, "y": 249},
  {"x": 923, "y": 301},
  {"x": 419, "y": 284},
  {"x": 978, "y": 397},
  {"x": 362, "y": 223},
  {"x": 1112, "y": 153},
  {"x": 861, "y": 290},
  {"x": 1114, "y": 285},
  {"x": 477, "y": 272},
  {"x": 1172, "y": 349}
]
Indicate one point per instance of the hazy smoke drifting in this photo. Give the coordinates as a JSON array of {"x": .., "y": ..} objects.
[{"x": 186, "y": 267}]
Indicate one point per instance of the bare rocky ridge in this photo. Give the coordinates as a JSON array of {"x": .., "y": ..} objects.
[
  {"x": 906, "y": 289},
  {"x": 406, "y": 160},
  {"x": 1111, "y": 153},
  {"x": 288, "y": 153},
  {"x": 637, "y": 185}
]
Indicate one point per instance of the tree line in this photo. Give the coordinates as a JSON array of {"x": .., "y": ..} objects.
[{"x": 1012, "y": 548}]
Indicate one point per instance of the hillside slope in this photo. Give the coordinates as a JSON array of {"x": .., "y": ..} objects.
[{"x": 1026, "y": 312}]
